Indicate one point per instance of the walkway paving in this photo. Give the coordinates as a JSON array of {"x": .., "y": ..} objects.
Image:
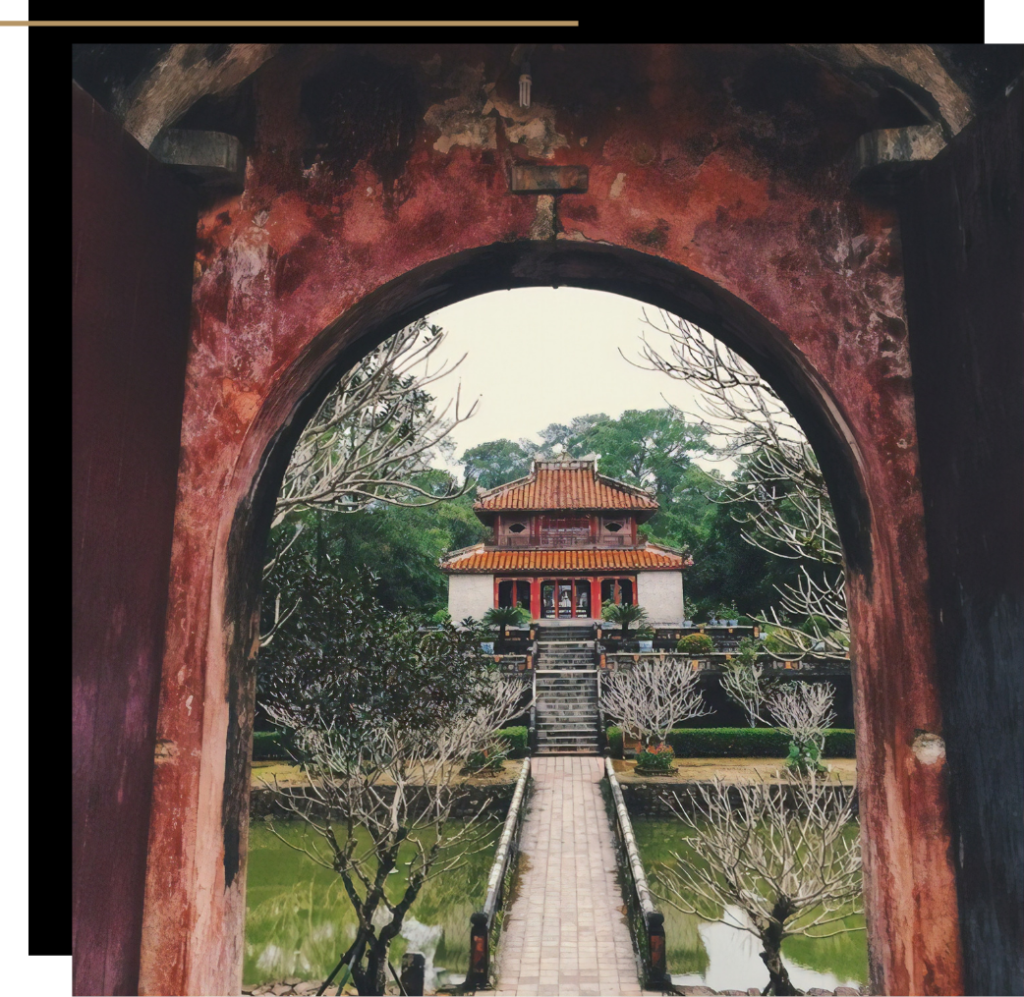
[{"x": 566, "y": 932}]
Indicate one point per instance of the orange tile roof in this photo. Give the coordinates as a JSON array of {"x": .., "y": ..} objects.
[
  {"x": 564, "y": 485},
  {"x": 479, "y": 559}
]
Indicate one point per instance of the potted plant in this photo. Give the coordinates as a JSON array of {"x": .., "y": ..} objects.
[
  {"x": 625, "y": 616},
  {"x": 505, "y": 617},
  {"x": 655, "y": 759}
]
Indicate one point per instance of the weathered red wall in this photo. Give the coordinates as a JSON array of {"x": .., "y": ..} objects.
[
  {"x": 964, "y": 232},
  {"x": 133, "y": 230},
  {"x": 704, "y": 197}
]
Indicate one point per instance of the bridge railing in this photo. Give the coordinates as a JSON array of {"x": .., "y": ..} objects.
[
  {"x": 532, "y": 731},
  {"x": 485, "y": 924},
  {"x": 646, "y": 921}
]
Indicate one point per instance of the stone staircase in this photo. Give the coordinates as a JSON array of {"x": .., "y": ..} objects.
[{"x": 567, "y": 720}]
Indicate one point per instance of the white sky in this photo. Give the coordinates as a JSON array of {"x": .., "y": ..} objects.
[{"x": 540, "y": 355}]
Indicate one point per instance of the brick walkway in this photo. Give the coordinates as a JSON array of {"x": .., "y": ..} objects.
[{"x": 566, "y": 932}]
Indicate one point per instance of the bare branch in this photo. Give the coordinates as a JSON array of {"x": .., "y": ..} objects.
[
  {"x": 779, "y": 495},
  {"x": 787, "y": 855},
  {"x": 651, "y": 697}
]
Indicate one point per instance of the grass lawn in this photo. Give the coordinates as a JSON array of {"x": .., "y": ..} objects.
[
  {"x": 731, "y": 770},
  {"x": 288, "y": 774}
]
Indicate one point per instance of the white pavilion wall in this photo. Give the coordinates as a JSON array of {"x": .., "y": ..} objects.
[
  {"x": 470, "y": 595},
  {"x": 661, "y": 594}
]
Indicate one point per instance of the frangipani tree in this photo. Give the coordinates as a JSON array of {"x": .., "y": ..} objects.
[
  {"x": 787, "y": 855},
  {"x": 779, "y": 493},
  {"x": 651, "y": 697},
  {"x": 803, "y": 712},
  {"x": 370, "y": 442},
  {"x": 384, "y": 714}
]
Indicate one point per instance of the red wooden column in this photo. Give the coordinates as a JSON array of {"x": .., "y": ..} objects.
[
  {"x": 535, "y": 598},
  {"x": 595, "y": 598}
]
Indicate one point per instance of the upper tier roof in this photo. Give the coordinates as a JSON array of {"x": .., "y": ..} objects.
[{"x": 564, "y": 484}]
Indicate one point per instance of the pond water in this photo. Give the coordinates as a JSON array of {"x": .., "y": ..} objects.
[
  {"x": 723, "y": 957},
  {"x": 299, "y": 919}
]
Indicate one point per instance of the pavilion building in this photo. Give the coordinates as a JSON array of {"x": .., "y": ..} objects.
[{"x": 565, "y": 542}]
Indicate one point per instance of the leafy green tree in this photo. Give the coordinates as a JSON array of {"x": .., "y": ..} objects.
[
  {"x": 568, "y": 438},
  {"x": 497, "y": 462},
  {"x": 402, "y": 544},
  {"x": 381, "y": 712},
  {"x": 651, "y": 449}
]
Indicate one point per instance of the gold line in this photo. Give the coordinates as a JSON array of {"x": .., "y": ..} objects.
[{"x": 289, "y": 24}]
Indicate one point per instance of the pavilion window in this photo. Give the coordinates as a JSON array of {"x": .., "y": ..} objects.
[
  {"x": 512, "y": 592},
  {"x": 582, "y": 598},
  {"x": 617, "y": 590},
  {"x": 523, "y": 594},
  {"x": 565, "y": 529},
  {"x": 547, "y": 600},
  {"x": 505, "y": 594}
]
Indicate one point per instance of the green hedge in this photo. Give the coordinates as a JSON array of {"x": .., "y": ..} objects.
[
  {"x": 739, "y": 742},
  {"x": 267, "y": 746},
  {"x": 517, "y": 739}
]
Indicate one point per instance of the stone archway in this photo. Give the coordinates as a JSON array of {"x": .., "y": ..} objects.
[{"x": 195, "y": 904}]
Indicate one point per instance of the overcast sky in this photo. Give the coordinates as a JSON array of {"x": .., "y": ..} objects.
[{"x": 540, "y": 355}]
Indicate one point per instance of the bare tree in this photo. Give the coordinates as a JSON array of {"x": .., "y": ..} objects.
[
  {"x": 746, "y": 684},
  {"x": 649, "y": 698},
  {"x": 375, "y": 432},
  {"x": 380, "y": 797},
  {"x": 782, "y": 494},
  {"x": 803, "y": 712},
  {"x": 787, "y": 855}
]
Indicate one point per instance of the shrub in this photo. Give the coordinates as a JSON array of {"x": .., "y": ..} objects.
[
  {"x": 656, "y": 760},
  {"x": 517, "y": 740},
  {"x": 747, "y": 652},
  {"x": 269, "y": 746},
  {"x": 614, "y": 735},
  {"x": 484, "y": 761},
  {"x": 738, "y": 742},
  {"x": 695, "y": 644}
]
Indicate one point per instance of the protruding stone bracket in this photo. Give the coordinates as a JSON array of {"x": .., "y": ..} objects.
[
  {"x": 213, "y": 159},
  {"x": 891, "y": 153},
  {"x": 529, "y": 178}
]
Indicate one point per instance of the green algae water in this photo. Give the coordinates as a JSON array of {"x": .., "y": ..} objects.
[
  {"x": 299, "y": 919},
  {"x": 726, "y": 958}
]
